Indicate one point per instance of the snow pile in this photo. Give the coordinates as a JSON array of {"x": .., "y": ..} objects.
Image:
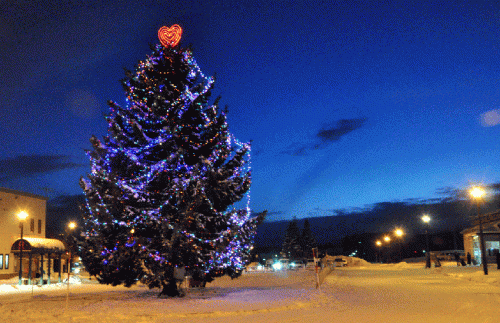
[
  {"x": 7, "y": 288},
  {"x": 351, "y": 261},
  {"x": 73, "y": 280},
  {"x": 474, "y": 274},
  {"x": 357, "y": 262}
]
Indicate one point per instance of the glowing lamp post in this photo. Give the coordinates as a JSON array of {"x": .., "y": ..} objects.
[
  {"x": 477, "y": 193},
  {"x": 426, "y": 220},
  {"x": 399, "y": 234},
  {"x": 379, "y": 245},
  {"x": 387, "y": 240},
  {"x": 22, "y": 216},
  {"x": 71, "y": 227}
]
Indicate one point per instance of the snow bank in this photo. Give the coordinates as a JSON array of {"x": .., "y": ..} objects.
[{"x": 357, "y": 262}]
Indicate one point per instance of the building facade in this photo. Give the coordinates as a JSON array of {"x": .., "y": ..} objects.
[
  {"x": 39, "y": 253},
  {"x": 491, "y": 233}
]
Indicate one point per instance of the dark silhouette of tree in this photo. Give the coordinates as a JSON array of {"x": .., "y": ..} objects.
[
  {"x": 307, "y": 240},
  {"x": 291, "y": 245}
]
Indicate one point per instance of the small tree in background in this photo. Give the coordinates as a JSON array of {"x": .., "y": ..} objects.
[
  {"x": 291, "y": 245},
  {"x": 307, "y": 240}
]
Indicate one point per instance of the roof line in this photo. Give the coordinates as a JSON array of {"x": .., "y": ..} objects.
[{"x": 8, "y": 190}]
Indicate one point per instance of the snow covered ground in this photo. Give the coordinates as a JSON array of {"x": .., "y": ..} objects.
[{"x": 358, "y": 293}]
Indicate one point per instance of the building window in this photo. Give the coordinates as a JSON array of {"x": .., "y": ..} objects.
[
  {"x": 39, "y": 226},
  {"x": 32, "y": 225},
  {"x": 493, "y": 247},
  {"x": 1, "y": 261},
  {"x": 6, "y": 261}
]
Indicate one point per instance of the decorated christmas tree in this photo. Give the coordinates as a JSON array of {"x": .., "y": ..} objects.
[{"x": 160, "y": 196}]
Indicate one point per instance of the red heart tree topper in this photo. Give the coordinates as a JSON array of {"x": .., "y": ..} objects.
[{"x": 170, "y": 36}]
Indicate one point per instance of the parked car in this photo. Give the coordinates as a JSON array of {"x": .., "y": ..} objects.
[{"x": 340, "y": 262}]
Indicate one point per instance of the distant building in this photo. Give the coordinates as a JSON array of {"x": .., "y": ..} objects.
[
  {"x": 41, "y": 256},
  {"x": 491, "y": 233}
]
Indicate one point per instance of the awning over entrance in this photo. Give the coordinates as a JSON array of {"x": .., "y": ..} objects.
[{"x": 38, "y": 246}]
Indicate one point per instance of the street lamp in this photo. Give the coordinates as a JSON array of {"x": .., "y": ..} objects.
[
  {"x": 426, "y": 220},
  {"x": 387, "y": 239},
  {"x": 399, "y": 234},
  {"x": 478, "y": 193},
  {"x": 22, "y": 217},
  {"x": 379, "y": 245},
  {"x": 71, "y": 227}
]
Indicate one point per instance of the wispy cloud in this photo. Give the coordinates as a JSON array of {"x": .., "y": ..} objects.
[
  {"x": 326, "y": 136},
  {"x": 490, "y": 118},
  {"x": 272, "y": 215},
  {"x": 342, "y": 128},
  {"x": 29, "y": 165}
]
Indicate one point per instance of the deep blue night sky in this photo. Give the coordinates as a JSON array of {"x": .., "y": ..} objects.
[{"x": 348, "y": 103}]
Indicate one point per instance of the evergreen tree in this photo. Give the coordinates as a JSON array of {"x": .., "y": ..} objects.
[
  {"x": 291, "y": 245},
  {"x": 164, "y": 180},
  {"x": 307, "y": 240}
]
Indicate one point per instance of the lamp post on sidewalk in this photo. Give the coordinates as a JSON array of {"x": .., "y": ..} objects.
[
  {"x": 22, "y": 217},
  {"x": 399, "y": 234},
  {"x": 71, "y": 227},
  {"x": 478, "y": 193},
  {"x": 426, "y": 220},
  {"x": 379, "y": 245},
  {"x": 387, "y": 240}
]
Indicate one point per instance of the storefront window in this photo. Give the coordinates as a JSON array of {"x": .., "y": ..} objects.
[
  {"x": 492, "y": 247},
  {"x": 476, "y": 249}
]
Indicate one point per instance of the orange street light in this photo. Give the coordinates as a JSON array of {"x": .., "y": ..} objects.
[
  {"x": 426, "y": 220},
  {"x": 22, "y": 216},
  {"x": 379, "y": 245},
  {"x": 71, "y": 226},
  {"x": 399, "y": 234},
  {"x": 477, "y": 193}
]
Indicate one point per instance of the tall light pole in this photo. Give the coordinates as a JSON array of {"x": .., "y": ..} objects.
[
  {"x": 379, "y": 245},
  {"x": 399, "y": 234},
  {"x": 22, "y": 217},
  {"x": 478, "y": 193},
  {"x": 71, "y": 227},
  {"x": 387, "y": 239},
  {"x": 426, "y": 220}
]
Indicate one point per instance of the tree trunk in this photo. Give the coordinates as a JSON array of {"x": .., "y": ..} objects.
[{"x": 170, "y": 289}]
